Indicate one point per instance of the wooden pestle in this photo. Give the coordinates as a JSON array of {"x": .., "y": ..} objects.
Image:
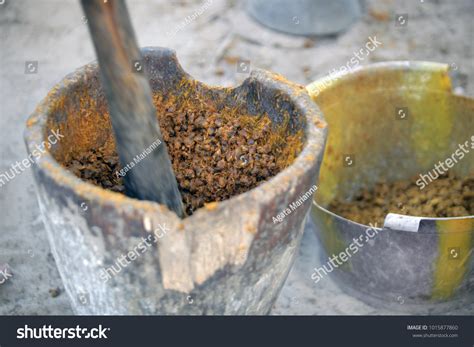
[{"x": 131, "y": 108}]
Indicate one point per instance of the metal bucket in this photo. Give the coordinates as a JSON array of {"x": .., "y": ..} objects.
[
  {"x": 306, "y": 17},
  {"x": 227, "y": 258},
  {"x": 412, "y": 262}
]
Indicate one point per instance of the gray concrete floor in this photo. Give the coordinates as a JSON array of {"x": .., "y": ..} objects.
[{"x": 53, "y": 33}]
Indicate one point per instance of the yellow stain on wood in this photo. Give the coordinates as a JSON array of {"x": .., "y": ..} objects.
[
  {"x": 211, "y": 206},
  {"x": 31, "y": 121}
]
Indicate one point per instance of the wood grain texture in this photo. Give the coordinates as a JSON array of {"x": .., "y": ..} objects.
[{"x": 130, "y": 103}]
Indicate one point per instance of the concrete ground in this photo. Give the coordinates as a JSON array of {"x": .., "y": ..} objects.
[{"x": 54, "y": 34}]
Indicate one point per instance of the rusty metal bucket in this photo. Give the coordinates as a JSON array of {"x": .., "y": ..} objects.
[
  {"x": 413, "y": 262},
  {"x": 227, "y": 258}
]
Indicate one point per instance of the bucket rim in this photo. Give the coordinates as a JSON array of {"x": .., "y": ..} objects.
[{"x": 315, "y": 138}]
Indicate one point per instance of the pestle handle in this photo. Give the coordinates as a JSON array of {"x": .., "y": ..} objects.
[{"x": 133, "y": 115}]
